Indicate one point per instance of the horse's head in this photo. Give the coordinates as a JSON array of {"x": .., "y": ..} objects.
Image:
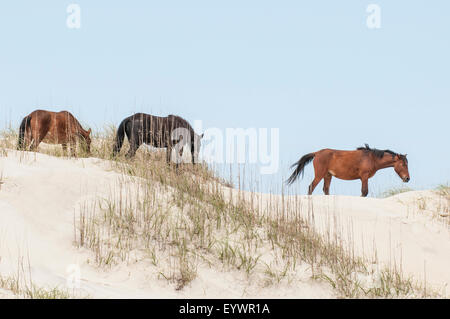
[
  {"x": 401, "y": 167},
  {"x": 195, "y": 147}
]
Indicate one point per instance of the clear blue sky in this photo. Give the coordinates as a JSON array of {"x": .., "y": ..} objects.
[{"x": 310, "y": 68}]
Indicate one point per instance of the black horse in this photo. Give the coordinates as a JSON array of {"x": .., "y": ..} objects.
[{"x": 170, "y": 132}]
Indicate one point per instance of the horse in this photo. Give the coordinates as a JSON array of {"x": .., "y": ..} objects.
[
  {"x": 161, "y": 132},
  {"x": 52, "y": 128},
  {"x": 361, "y": 164}
]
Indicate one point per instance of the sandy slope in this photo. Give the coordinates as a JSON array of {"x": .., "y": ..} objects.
[
  {"x": 394, "y": 230},
  {"x": 409, "y": 231},
  {"x": 40, "y": 195},
  {"x": 38, "y": 200}
]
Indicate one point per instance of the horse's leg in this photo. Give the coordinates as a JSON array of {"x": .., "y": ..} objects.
[
  {"x": 73, "y": 146},
  {"x": 27, "y": 140},
  {"x": 326, "y": 184},
  {"x": 72, "y": 149},
  {"x": 319, "y": 173},
  {"x": 180, "y": 158},
  {"x": 313, "y": 185},
  {"x": 135, "y": 142},
  {"x": 169, "y": 154},
  {"x": 37, "y": 135},
  {"x": 365, "y": 186},
  {"x": 194, "y": 155},
  {"x": 33, "y": 146},
  {"x": 180, "y": 154},
  {"x": 36, "y": 140},
  {"x": 64, "y": 147},
  {"x": 134, "y": 145}
]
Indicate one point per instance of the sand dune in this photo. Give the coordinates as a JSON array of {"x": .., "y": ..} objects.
[{"x": 40, "y": 195}]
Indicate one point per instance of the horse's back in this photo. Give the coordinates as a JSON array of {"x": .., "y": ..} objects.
[
  {"x": 170, "y": 119},
  {"x": 335, "y": 157},
  {"x": 334, "y": 152},
  {"x": 42, "y": 114},
  {"x": 66, "y": 117},
  {"x": 66, "y": 114},
  {"x": 144, "y": 118},
  {"x": 338, "y": 155},
  {"x": 41, "y": 119},
  {"x": 325, "y": 154}
]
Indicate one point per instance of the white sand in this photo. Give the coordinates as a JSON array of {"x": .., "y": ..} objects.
[
  {"x": 409, "y": 231},
  {"x": 40, "y": 195},
  {"x": 38, "y": 200}
]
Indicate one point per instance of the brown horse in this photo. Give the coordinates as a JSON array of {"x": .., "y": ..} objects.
[
  {"x": 53, "y": 128},
  {"x": 350, "y": 165}
]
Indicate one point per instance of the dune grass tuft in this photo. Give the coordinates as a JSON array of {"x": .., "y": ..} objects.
[{"x": 395, "y": 191}]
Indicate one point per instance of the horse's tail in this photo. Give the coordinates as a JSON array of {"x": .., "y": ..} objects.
[
  {"x": 120, "y": 136},
  {"x": 300, "y": 167},
  {"x": 22, "y": 130}
]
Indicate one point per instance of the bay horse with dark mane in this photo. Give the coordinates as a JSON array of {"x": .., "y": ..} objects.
[
  {"x": 53, "y": 128},
  {"x": 161, "y": 132},
  {"x": 361, "y": 164}
]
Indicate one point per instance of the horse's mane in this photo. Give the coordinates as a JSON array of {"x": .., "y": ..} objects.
[
  {"x": 178, "y": 118},
  {"x": 378, "y": 153},
  {"x": 178, "y": 121}
]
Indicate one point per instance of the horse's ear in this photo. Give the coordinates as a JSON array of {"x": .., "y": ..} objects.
[
  {"x": 203, "y": 134},
  {"x": 89, "y": 131}
]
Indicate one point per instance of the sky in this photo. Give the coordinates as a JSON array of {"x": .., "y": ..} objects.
[{"x": 312, "y": 69}]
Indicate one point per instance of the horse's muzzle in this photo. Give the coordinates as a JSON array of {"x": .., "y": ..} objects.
[{"x": 406, "y": 179}]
